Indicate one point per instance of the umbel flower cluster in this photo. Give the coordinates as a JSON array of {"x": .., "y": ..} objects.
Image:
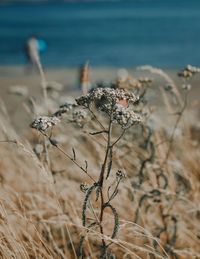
[
  {"x": 65, "y": 108},
  {"x": 189, "y": 71},
  {"x": 125, "y": 116},
  {"x": 106, "y": 98},
  {"x": 44, "y": 122},
  {"x": 113, "y": 102}
]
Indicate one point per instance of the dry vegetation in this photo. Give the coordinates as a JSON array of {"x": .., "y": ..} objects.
[{"x": 153, "y": 213}]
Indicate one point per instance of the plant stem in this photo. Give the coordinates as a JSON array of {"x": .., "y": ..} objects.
[
  {"x": 101, "y": 177},
  {"x": 43, "y": 80},
  {"x": 95, "y": 117},
  {"x": 68, "y": 156},
  {"x": 118, "y": 139},
  {"x": 180, "y": 114},
  {"x": 101, "y": 180}
]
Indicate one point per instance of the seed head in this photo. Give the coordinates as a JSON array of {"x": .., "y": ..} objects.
[
  {"x": 120, "y": 175},
  {"x": 79, "y": 116},
  {"x": 65, "y": 108},
  {"x": 145, "y": 81},
  {"x": 44, "y": 122},
  {"x": 84, "y": 187},
  {"x": 189, "y": 71},
  {"x": 106, "y": 98},
  {"x": 125, "y": 117}
]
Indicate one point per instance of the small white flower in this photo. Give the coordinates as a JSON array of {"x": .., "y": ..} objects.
[
  {"x": 44, "y": 122},
  {"x": 125, "y": 117}
]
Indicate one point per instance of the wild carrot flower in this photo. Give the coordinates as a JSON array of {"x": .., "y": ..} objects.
[
  {"x": 84, "y": 187},
  {"x": 125, "y": 117},
  {"x": 65, "y": 108},
  {"x": 44, "y": 122},
  {"x": 115, "y": 103},
  {"x": 145, "y": 81},
  {"x": 79, "y": 116},
  {"x": 106, "y": 98},
  {"x": 189, "y": 71},
  {"x": 120, "y": 175}
]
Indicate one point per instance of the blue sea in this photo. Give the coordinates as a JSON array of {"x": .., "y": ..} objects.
[{"x": 163, "y": 33}]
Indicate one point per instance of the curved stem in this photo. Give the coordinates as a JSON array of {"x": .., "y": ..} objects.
[
  {"x": 101, "y": 180},
  {"x": 175, "y": 127},
  {"x": 101, "y": 177},
  {"x": 68, "y": 156},
  {"x": 95, "y": 117},
  {"x": 118, "y": 139}
]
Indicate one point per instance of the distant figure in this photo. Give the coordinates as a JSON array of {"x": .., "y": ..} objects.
[
  {"x": 33, "y": 48},
  {"x": 84, "y": 78}
]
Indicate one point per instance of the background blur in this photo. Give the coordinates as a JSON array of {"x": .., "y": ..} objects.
[{"x": 108, "y": 33}]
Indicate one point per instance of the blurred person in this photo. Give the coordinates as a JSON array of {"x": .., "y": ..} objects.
[
  {"x": 84, "y": 78},
  {"x": 33, "y": 48}
]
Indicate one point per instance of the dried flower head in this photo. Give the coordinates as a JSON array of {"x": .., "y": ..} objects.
[
  {"x": 186, "y": 87},
  {"x": 125, "y": 117},
  {"x": 168, "y": 88},
  {"x": 106, "y": 98},
  {"x": 120, "y": 175},
  {"x": 84, "y": 100},
  {"x": 189, "y": 71},
  {"x": 65, "y": 108},
  {"x": 79, "y": 116},
  {"x": 145, "y": 81},
  {"x": 83, "y": 187},
  {"x": 115, "y": 103},
  {"x": 44, "y": 122}
]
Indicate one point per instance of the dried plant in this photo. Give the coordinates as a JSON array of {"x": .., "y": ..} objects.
[
  {"x": 116, "y": 106},
  {"x": 138, "y": 194}
]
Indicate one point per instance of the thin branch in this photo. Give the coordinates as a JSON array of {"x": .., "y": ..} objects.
[
  {"x": 175, "y": 127},
  {"x": 95, "y": 117},
  {"x": 68, "y": 156},
  {"x": 118, "y": 139},
  {"x": 74, "y": 154},
  {"x": 114, "y": 192},
  {"x": 9, "y": 141},
  {"x": 101, "y": 180},
  {"x": 98, "y": 132}
]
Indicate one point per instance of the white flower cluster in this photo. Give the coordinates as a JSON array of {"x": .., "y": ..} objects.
[
  {"x": 125, "y": 117},
  {"x": 79, "y": 116},
  {"x": 189, "y": 71},
  {"x": 44, "y": 122},
  {"x": 114, "y": 102},
  {"x": 106, "y": 98},
  {"x": 84, "y": 100},
  {"x": 120, "y": 175},
  {"x": 145, "y": 81},
  {"x": 73, "y": 113},
  {"x": 65, "y": 108}
]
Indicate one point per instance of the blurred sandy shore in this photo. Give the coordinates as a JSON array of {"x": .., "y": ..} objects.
[
  {"x": 17, "y": 76},
  {"x": 66, "y": 76}
]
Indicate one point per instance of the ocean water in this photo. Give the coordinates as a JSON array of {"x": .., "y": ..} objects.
[{"x": 124, "y": 33}]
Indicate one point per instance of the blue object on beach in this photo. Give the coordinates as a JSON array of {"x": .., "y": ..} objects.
[{"x": 42, "y": 46}]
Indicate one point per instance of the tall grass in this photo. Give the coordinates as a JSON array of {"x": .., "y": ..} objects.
[{"x": 157, "y": 205}]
